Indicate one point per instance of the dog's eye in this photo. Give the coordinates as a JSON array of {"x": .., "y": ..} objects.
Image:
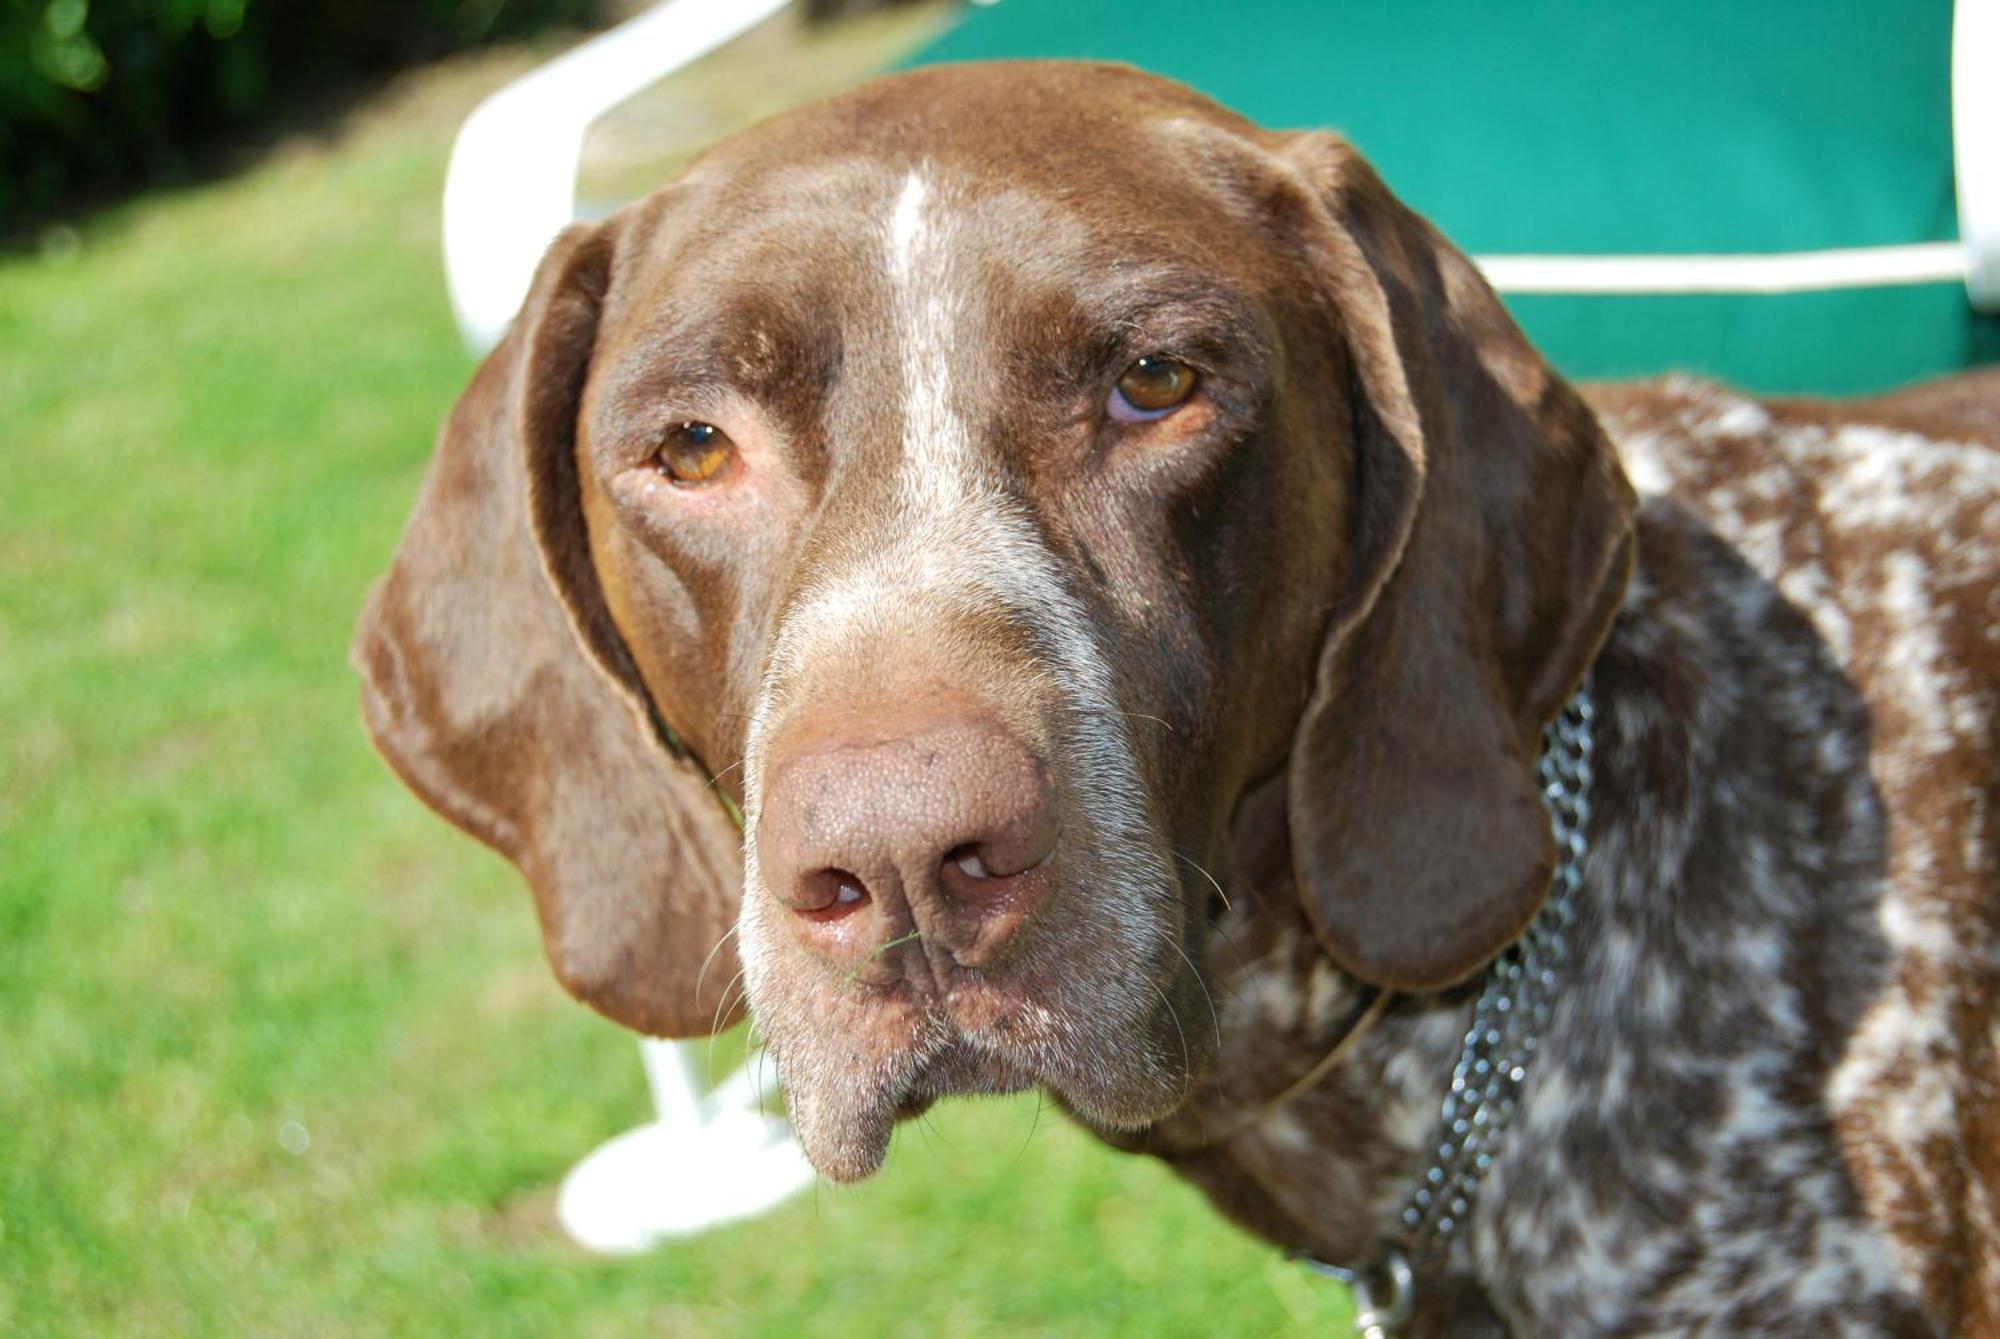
[
  {"x": 694, "y": 453},
  {"x": 1151, "y": 388}
]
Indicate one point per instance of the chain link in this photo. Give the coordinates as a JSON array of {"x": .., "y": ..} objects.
[{"x": 1513, "y": 1008}]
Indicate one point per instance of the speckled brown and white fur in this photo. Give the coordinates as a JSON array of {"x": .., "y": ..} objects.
[{"x": 1766, "y": 1101}]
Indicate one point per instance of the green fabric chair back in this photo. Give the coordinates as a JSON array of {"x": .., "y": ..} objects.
[{"x": 1736, "y": 128}]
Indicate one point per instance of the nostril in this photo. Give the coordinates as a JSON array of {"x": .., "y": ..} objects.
[
  {"x": 830, "y": 894},
  {"x": 998, "y": 860},
  {"x": 988, "y": 876},
  {"x": 969, "y": 863}
]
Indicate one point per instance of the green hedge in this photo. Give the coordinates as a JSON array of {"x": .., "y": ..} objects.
[{"x": 99, "y": 95}]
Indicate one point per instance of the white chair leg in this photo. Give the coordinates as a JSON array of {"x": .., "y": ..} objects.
[
  {"x": 677, "y": 1098},
  {"x": 702, "y": 1161}
]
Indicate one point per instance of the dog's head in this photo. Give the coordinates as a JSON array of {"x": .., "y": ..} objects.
[{"x": 983, "y": 479}]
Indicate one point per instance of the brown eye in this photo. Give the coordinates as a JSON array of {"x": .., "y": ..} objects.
[
  {"x": 694, "y": 453},
  {"x": 1151, "y": 387}
]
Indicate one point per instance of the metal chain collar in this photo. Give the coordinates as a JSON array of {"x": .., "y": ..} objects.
[
  {"x": 1507, "y": 1023},
  {"x": 1513, "y": 1008}
]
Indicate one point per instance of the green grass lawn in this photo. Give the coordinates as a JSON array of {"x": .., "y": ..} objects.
[{"x": 220, "y": 915}]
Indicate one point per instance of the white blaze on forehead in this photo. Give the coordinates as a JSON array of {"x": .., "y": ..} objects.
[
  {"x": 938, "y": 465},
  {"x": 906, "y": 223},
  {"x": 954, "y": 540}
]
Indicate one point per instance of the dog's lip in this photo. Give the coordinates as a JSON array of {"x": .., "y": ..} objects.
[
  {"x": 879, "y": 1054},
  {"x": 964, "y": 1069},
  {"x": 845, "y": 1126},
  {"x": 992, "y": 1044}
]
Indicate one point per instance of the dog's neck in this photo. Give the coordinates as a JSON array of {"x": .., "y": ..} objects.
[{"x": 1329, "y": 1173}]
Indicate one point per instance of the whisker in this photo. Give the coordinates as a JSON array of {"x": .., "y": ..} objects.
[
  {"x": 757, "y": 1080},
  {"x": 1033, "y": 1127},
  {"x": 1148, "y": 716},
  {"x": 705, "y": 962},
  {"x": 1213, "y": 1017},
  {"x": 1228, "y": 939},
  {"x": 934, "y": 1136},
  {"x": 1196, "y": 866},
  {"x": 723, "y": 1003},
  {"x": 715, "y": 1022},
  {"x": 1187, "y": 1060}
]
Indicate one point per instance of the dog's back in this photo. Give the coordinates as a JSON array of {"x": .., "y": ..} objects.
[{"x": 1880, "y": 520}]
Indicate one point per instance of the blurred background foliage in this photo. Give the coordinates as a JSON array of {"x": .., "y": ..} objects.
[{"x": 101, "y": 95}]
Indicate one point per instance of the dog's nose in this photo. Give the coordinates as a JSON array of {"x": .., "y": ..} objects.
[{"x": 940, "y": 830}]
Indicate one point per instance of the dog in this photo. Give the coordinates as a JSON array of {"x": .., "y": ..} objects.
[{"x": 1051, "y": 585}]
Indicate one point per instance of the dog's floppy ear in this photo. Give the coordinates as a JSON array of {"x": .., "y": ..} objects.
[
  {"x": 1488, "y": 543},
  {"x": 497, "y": 686}
]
